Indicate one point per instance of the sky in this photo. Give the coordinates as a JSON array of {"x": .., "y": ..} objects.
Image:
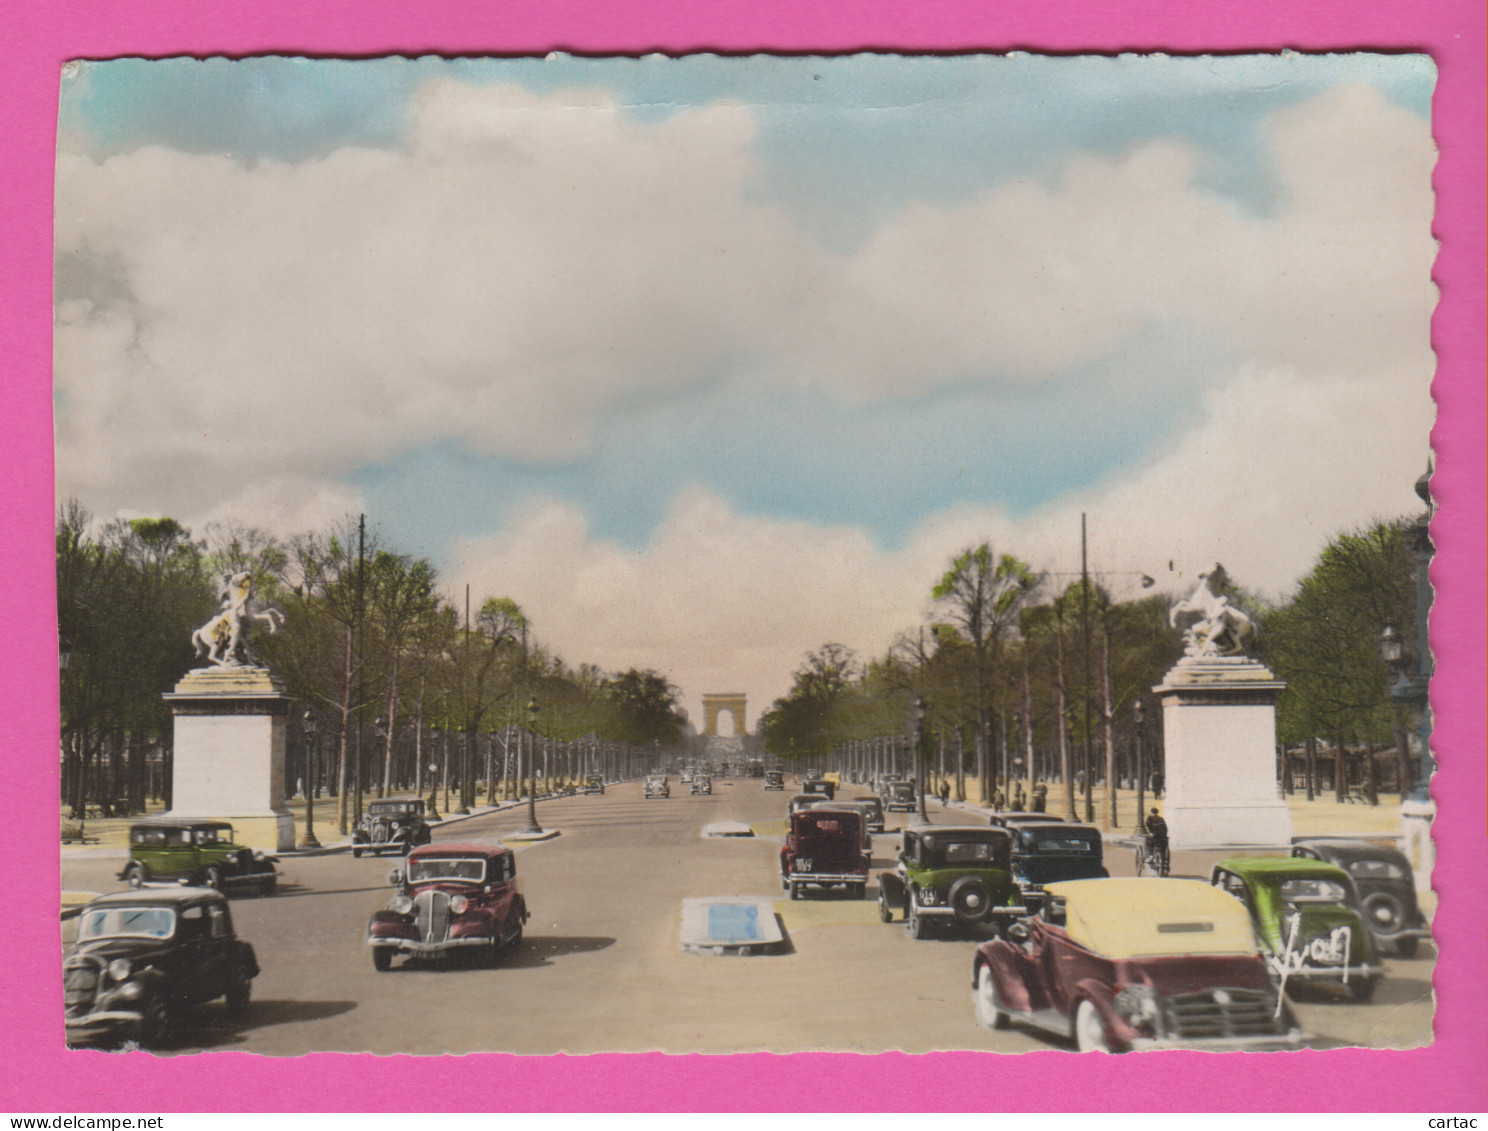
[{"x": 707, "y": 362}]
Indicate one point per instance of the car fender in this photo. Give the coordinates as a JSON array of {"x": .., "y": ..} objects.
[
  {"x": 1103, "y": 997},
  {"x": 1011, "y": 971},
  {"x": 247, "y": 958}
]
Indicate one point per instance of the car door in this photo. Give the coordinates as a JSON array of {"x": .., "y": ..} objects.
[{"x": 195, "y": 979}]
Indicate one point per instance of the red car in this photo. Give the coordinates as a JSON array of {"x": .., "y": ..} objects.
[
  {"x": 1120, "y": 964},
  {"x": 825, "y": 848},
  {"x": 454, "y": 897}
]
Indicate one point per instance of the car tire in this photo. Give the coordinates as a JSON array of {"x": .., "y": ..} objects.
[
  {"x": 356, "y": 853},
  {"x": 969, "y": 899},
  {"x": 269, "y": 886},
  {"x": 1362, "y": 990},
  {"x": 984, "y": 1003},
  {"x": 885, "y": 912},
  {"x": 915, "y": 925},
  {"x": 795, "y": 890},
  {"x": 135, "y": 875},
  {"x": 1406, "y": 947},
  {"x": 382, "y": 959},
  {"x": 1090, "y": 1030},
  {"x": 212, "y": 877},
  {"x": 860, "y": 891},
  {"x": 154, "y": 1024},
  {"x": 239, "y": 992}
]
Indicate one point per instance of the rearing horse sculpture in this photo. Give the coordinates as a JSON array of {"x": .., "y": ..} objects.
[
  {"x": 1220, "y": 629},
  {"x": 224, "y": 638}
]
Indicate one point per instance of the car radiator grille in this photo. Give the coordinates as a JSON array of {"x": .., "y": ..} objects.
[
  {"x": 1236, "y": 1013},
  {"x": 80, "y": 986},
  {"x": 380, "y": 832},
  {"x": 431, "y": 916}
]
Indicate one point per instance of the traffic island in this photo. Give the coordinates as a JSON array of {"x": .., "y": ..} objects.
[{"x": 730, "y": 925}]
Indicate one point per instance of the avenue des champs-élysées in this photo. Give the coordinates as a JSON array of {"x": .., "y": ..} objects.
[{"x": 446, "y": 447}]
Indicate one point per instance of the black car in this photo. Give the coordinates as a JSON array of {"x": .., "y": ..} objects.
[
  {"x": 801, "y": 801},
  {"x": 141, "y": 957},
  {"x": 822, "y": 787},
  {"x": 1386, "y": 889},
  {"x": 1054, "y": 850},
  {"x": 391, "y": 826}
]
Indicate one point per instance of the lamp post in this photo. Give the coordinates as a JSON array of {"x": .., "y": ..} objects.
[
  {"x": 433, "y": 807},
  {"x": 916, "y": 732},
  {"x": 1137, "y": 722},
  {"x": 312, "y": 732},
  {"x": 532, "y": 826},
  {"x": 380, "y": 728}
]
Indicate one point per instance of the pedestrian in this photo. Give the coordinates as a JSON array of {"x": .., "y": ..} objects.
[
  {"x": 1040, "y": 797},
  {"x": 945, "y": 793},
  {"x": 999, "y": 802}
]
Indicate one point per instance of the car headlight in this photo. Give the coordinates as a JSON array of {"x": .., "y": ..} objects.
[
  {"x": 400, "y": 904},
  {"x": 1136, "y": 1004},
  {"x": 458, "y": 904},
  {"x": 118, "y": 969}
]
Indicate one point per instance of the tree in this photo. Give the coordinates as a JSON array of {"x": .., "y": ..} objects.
[{"x": 645, "y": 708}]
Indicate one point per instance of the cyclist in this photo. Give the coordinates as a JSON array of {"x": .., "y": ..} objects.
[{"x": 1157, "y": 841}]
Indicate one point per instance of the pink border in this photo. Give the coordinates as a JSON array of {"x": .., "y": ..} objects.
[{"x": 40, "y": 1077}]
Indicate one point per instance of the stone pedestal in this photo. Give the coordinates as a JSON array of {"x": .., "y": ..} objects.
[
  {"x": 229, "y": 753},
  {"x": 1219, "y": 741}
]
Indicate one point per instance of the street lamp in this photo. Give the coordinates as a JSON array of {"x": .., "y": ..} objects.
[
  {"x": 312, "y": 732},
  {"x": 380, "y": 728},
  {"x": 916, "y": 732},
  {"x": 532, "y": 826},
  {"x": 1137, "y": 720}
]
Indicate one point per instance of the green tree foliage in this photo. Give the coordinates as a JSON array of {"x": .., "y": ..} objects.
[{"x": 645, "y": 708}]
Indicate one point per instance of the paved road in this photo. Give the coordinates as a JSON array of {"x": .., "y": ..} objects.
[{"x": 601, "y": 969}]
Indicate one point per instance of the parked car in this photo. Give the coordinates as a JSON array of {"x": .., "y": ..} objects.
[
  {"x": 951, "y": 874},
  {"x": 701, "y": 784},
  {"x": 391, "y": 826},
  {"x": 1049, "y": 851},
  {"x": 593, "y": 783},
  {"x": 775, "y": 779},
  {"x": 1385, "y": 886},
  {"x": 140, "y": 957},
  {"x": 819, "y": 786},
  {"x": 1125, "y": 964},
  {"x": 858, "y": 807},
  {"x": 824, "y": 848},
  {"x": 453, "y": 897},
  {"x": 899, "y": 795},
  {"x": 1306, "y": 918},
  {"x": 657, "y": 787},
  {"x": 1008, "y": 819},
  {"x": 197, "y": 853}
]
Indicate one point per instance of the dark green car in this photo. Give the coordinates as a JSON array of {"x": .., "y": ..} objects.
[
  {"x": 1306, "y": 920},
  {"x": 196, "y": 853},
  {"x": 951, "y": 874}
]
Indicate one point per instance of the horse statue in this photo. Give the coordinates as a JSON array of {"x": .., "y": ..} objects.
[
  {"x": 1220, "y": 629},
  {"x": 224, "y": 638}
]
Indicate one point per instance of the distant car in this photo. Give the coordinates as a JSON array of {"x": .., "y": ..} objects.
[
  {"x": 774, "y": 779},
  {"x": 141, "y": 957},
  {"x": 391, "y": 826},
  {"x": 823, "y": 849},
  {"x": 657, "y": 787},
  {"x": 1123, "y": 964},
  {"x": 453, "y": 897},
  {"x": 702, "y": 784},
  {"x": 1050, "y": 851},
  {"x": 810, "y": 774},
  {"x": 875, "y": 811},
  {"x": 801, "y": 801},
  {"x": 865, "y": 811},
  {"x": 197, "y": 853},
  {"x": 1306, "y": 918},
  {"x": 899, "y": 796},
  {"x": 1007, "y": 819},
  {"x": 951, "y": 874},
  {"x": 1385, "y": 886},
  {"x": 593, "y": 783},
  {"x": 819, "y": 786}
]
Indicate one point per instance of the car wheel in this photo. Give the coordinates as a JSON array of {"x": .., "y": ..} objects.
[
  {"x": 984, "y": 1004},
  {"x": 969, "y": 899},
  {"x": 212, "y": 878},
  {"x": 356, "y": 853},
  {"x": 154, "y": 1023},
  {"x": 914, "y": 923},
  {"x": 860, "y": 891},
  {"x": 885, "y": 912},
  {"x": 795, "y": 891},
  {"x": 135, "y": 875},
  {"x": 1090, "y": 1030},
  {"x": 269, "y": 886},
  {"x": 239, "y": 991},
  {"x": 1406, "y": 947},
  {"x": 1362, "y": 990},
  {"x": 382, "y": 959}
]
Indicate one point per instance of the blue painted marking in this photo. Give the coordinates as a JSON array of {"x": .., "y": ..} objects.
[{"x": 733, "y": 923}]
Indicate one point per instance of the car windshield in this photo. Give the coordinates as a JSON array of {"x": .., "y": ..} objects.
[
  {"x": 1061, "y": 843},
  {"x": 1312, "y": 891},
  {"x": 1376, "y": 870},
  {"x": 126, "y": 922},
  {"x": 964, "y": 851},
  {"x": 389, "y": 808},
  {"x": 466, "y": 869}
]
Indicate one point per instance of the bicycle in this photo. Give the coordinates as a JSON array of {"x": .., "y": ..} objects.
[{"x": 1152, "y": 859}]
